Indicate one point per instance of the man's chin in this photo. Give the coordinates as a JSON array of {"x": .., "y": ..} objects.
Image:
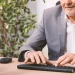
[{"x": 69, "y": 13}]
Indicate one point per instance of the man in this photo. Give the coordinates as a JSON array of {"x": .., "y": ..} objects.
[{"x": 57, "y": 30}]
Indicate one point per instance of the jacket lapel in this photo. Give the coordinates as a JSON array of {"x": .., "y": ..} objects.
[{"x": 62, "y": 32}]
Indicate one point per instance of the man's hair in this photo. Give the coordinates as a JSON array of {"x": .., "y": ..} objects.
[{"x": 57, "y": 3}]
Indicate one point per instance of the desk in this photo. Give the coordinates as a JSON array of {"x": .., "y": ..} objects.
[{"x": 11, "y": 69}]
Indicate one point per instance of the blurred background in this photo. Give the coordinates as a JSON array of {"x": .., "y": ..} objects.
[{"x": 18, "y": 20}]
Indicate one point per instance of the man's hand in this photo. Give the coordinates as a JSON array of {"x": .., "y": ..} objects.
[
  {"x": 66, "y": 58},
  {"x": 35, "y": 57}
]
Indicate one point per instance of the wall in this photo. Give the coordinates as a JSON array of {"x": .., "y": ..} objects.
[{"x": 40, "y": 6}]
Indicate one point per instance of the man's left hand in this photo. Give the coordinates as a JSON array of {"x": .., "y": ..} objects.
[{"x": 66, "y": 58}]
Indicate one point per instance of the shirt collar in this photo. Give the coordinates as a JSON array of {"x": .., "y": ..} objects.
[{"x": 67, "y": 19}]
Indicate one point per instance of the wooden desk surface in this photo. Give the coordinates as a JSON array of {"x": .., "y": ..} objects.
[{"x": 11, "y": 69}]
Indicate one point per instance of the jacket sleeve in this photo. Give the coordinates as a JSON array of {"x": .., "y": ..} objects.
[{"x": 36, "y": 42}]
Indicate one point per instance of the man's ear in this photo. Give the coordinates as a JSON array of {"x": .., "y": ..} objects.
[{"x": 58, "y": 2}]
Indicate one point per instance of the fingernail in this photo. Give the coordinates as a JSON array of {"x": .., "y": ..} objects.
[
  {"x": 44, "y": 62},
  {"x": 38, "y": 62},
  {"x": 61, "y": 63},
  {"x": 56, "y": 65},
  {"x": 71, "y": 63}
]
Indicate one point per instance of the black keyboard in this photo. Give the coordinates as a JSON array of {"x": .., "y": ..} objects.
[{"x": 46, "y": 67}]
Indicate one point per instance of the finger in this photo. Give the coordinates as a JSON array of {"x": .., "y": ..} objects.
[
  {"x": 37, "y": 59},
  {"x": 62, "y": 58},
  {"x": 67, "y": 60},
  {"x": 42, "y": 57},
  {"x": 73, "y": 62},
  {"x": 32, "y": 58},
  {"x": 50, "y": 62},
  {"x": 26, "y": 60}
]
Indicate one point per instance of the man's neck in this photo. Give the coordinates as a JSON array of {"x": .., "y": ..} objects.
[{"x": 72, "y": 18}]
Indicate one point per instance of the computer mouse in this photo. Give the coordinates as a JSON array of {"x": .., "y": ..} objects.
[{"x": 6, "y": 60}]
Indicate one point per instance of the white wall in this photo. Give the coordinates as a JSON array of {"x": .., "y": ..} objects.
[
  {"x": 50, "y": 3},
  {"x": 32, "y": 6},
  {"x": 40, "y": 6}
]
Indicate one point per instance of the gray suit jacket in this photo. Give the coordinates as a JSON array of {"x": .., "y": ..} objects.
[{"x": 51, "y": 31}]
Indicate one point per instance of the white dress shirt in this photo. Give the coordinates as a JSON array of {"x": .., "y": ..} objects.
[{"x": 70, "y": 36}]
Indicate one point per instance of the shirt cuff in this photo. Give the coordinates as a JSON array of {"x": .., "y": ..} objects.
[{"x": 26, "y": 54}]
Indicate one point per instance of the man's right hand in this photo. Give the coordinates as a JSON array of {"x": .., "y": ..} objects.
[{"x": 35, "y": 57}]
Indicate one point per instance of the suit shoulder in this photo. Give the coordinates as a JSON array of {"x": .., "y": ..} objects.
[{"x": 53, "y": 10}]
